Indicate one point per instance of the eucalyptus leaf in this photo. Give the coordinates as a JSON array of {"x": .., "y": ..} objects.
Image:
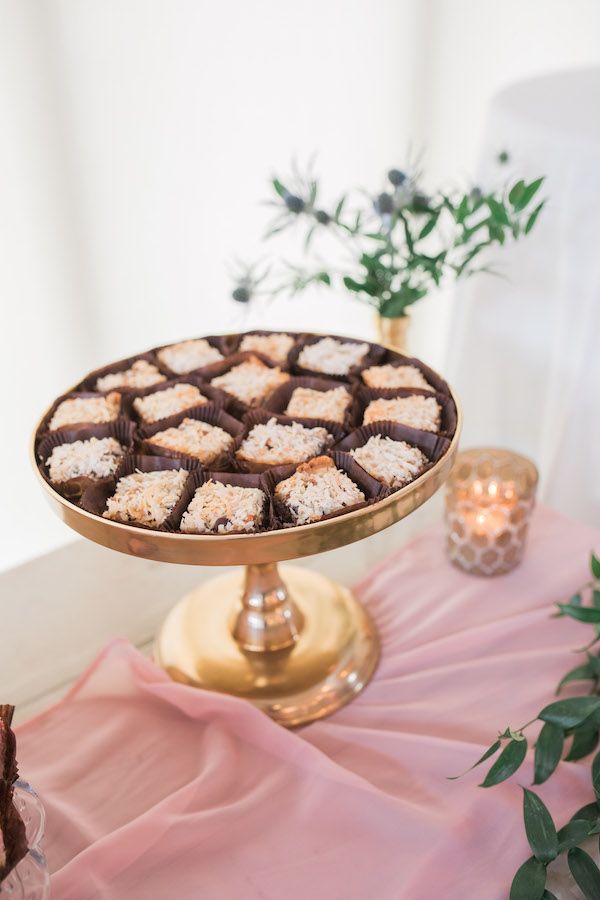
[
  {"x": 280, "y": 188},
  {"x": 585, "y": 741},
  {"x": 579, "y": 673},
  {"x": 489, "y": 752},
  {"x": 516, "y": 193},
  {"x": 588, "y": 614},
  {"x": 572, "y": 834},
  {"x": 528, "y": 193},
  {"x": 507, "y": 763},
  {"x": 571, "y": 712},
  {"x": 498, "y": 211},
  {"x": 539, "y": 828},
  {"x": 596, "y": 775},
  {"x": 585, "y": 872},
  {"x": 595, "y": 565},
  {"x": 548, "y": 751},
  {"x": 533, "y": 217},
  {"x": 529, "y": 881},
  {"x": 590, "y": 812},
  {"x": 596, "y": 598},
  {"x": 428, "y": 227}
]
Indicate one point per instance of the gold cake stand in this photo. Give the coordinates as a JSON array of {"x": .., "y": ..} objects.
[{"x": 294, "y": 643}]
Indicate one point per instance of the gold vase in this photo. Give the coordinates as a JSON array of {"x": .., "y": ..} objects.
[{"x": 393, "y": 331}]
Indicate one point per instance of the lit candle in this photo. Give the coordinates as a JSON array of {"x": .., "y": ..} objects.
[{"x": 489, "y": 498}]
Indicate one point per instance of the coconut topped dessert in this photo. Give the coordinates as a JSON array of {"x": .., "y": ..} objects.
[
  {"x": 86, "y": 411},
  {"x": 251, "y": 381},
  {"x": 331, "y": 356},
  {"x": 141, "y": 374},
  {"x": 94, "y": 458},
  {"x": 173, "y": 400},
  {"x": 395, "y": 463},
  {"x": 13, "y": 839},
  {"x": 316, "y": 489},
  {"x": 218, "y": 508},
  {"x": 306, "y": 403},
  {"x": 274, "y": 346},
  {"x": 186, "y": 356},
  {"x": 424, "y": 413},
  {"x": 395, "y": 377},
  {"x": 146, "y": 498},
  {"x": 273, "y": 444},
  {"x": 195, "y": 438}
]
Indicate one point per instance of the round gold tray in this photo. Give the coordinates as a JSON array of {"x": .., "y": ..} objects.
[{"x": 300, "y": 646}]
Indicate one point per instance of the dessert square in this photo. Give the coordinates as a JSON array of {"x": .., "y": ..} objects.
[
  {"x": 93, "y": 458},
  {"x": 186, "y": 356},
  {"x": 218, "y": 508},
  {"x": 146, "y": 498},
  {"x": 13, "y": 836},
  {"x": 417, "y": 411},
  {"x": 395, "y": 377},
  {"x": 141, "y": 374},
  {"x": 306, "y": 403},
  {"x": 194, "y": 438},
  {"x": 395, "y": 463},
  {"x": 273, "y": 346},
  {"x": 86, "y": 411},
  {"x": 331, "y": 356},
  {"x": 274, "y": 444},
  {"x": 173, "y": 400},
  {"x": 251, "y": 381},
  {"x": 317, "y": 489}
]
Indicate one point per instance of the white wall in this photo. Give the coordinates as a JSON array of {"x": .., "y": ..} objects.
[{"x": 136, "y": 139}]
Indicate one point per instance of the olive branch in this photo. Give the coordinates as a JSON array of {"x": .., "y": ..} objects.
[{"x": 576, "y": 721}]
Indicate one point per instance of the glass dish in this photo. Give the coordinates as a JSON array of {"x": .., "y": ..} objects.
[{"x": 30, "y": 879}]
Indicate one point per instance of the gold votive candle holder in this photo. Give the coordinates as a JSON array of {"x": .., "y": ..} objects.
[{"x": 490, "y": 495}]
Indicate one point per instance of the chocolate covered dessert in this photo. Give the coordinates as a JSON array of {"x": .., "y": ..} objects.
[
  {"x": 146, "y": 498},
  {"x": 274, "y": 346},
  {"x": 316, "y": 489},
  {"x": 194, "y": 438},
  {"x": 218, "y": 508},
  {"x": 186, "y": 356},
  {"x": 94, "y": 458},
  {"x": 332, "y": 357},
  {"x": 416, "y": 410},
  {"x": 306, "y": 403},
  {"x": 395, "y": 377},
  {"x": 274, "y": 444},
  {"x": 13, "y": 841},
  {"x": 161, "y": 404},
  {"x": 251, "y": 381},
  {"x": 86, "y": 411},
  {"x": 395, "y": 463},
  {"x": 141, "y": 374}
]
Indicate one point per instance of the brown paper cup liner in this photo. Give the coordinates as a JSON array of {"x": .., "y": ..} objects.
[
  {"x": 236, "y": 340},
  {"x": 201, "y": 476},
  {"x": 89, "y": 382},
  {"x": 215, "y": 397},
  {"x": 393, "y": 358},
  {"x": 125, "y": 412},
  {"x": 372, "y": 357},
  {"x": 94, "y": 498},
  {"x": 277, "y": 402},
  {"x": 261, "y": 417},
  {"x": 122, "y": 430},
  {"x": 432, "y": 445},
  {"x": 237, "y": 407},
  {"x": 448, "y": 418},
  {"x": 213, "y": 415},
  {"x": 221, "y": 342},
  {"x": 371, "y": 488}
]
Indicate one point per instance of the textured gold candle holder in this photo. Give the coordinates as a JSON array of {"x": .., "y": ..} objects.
[{"x": 489, "y": 498}]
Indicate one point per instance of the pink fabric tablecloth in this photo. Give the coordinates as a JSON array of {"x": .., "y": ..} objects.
[{"x": 157, "y": 791}]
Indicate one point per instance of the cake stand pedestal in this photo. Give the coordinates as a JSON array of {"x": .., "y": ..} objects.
[{"x": 295, "y": 643}]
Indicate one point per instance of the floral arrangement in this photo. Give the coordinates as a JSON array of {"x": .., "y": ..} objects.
[
  {"x": 396, "y": 245},
  {"x": 573, "y": 722}
]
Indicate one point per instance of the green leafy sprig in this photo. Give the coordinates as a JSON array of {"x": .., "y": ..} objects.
[
  {"x": 572, "y": 722},
  {"x": 398, "y": 244}
]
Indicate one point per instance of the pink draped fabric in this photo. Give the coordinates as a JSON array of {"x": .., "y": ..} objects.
[{"x": 155, "y": 790}]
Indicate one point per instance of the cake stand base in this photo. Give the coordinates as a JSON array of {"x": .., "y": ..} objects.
[{"x": 297, "y": 645}]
